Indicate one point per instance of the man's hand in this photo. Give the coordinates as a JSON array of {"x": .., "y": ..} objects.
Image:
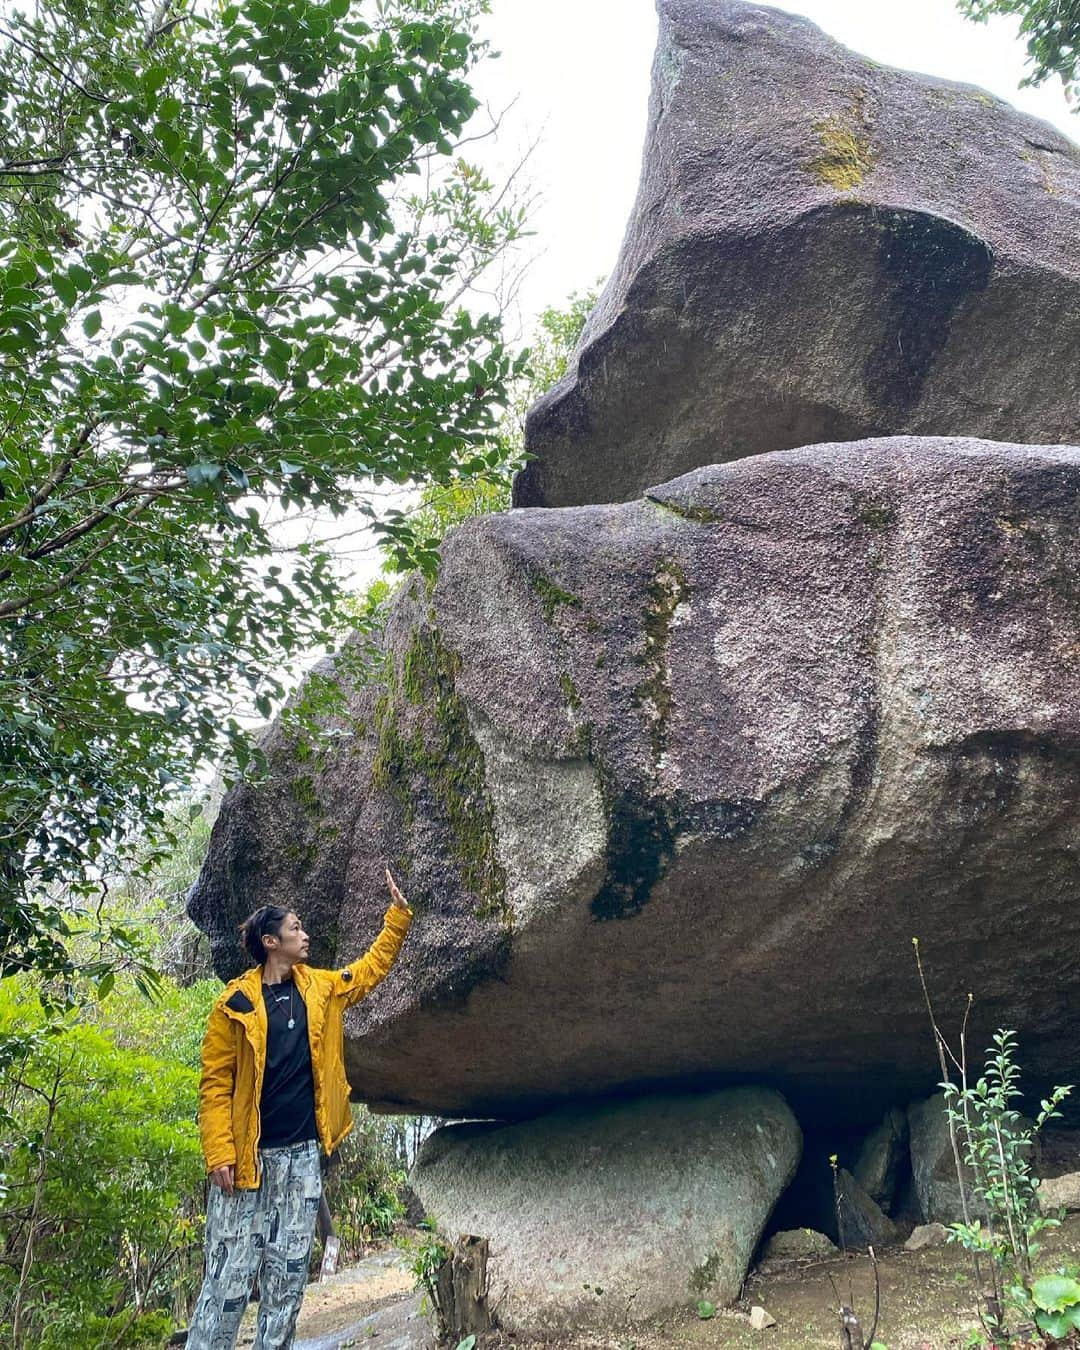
[
  {"x": 223, "y": 1177},
  {"x": 398, "y": 899}
]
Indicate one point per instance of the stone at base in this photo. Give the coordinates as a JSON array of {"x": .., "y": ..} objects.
[
  {"x": 597, "y": 1215},
  {"x": 1059, "y": 1192},
  {"x": 934, "y": 1167},
  {"x": 927, "y": 1235},
  {"x": 880, "y": 1158},
  {"x": 760, "y": 1320},
  {"x": 864, "y": 1223},
  {"x": 798, "y": 1243}
]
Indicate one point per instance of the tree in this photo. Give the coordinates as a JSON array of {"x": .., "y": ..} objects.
[
  {"x": 1051, "y": 29},
  {"x": 444, "y": 505},
  {"x": 219, "y": 308}
]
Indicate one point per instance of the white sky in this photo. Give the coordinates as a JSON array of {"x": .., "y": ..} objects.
[{"x": 580, "y": 72}]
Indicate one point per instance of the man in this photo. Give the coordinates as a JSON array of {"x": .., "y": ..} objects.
[{"x": 272, "y": 1097}]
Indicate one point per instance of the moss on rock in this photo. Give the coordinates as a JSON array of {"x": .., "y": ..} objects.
[
  {"x": 552, "y": 597},
  {"x": 442, "y": 751},
  {"x": 846, "y": 155},
  {"x": 667, "y": 591},
  {"x": 570, "y": 692}
]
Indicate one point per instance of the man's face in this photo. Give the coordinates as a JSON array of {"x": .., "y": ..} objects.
[{"x": 292, "y": 940}]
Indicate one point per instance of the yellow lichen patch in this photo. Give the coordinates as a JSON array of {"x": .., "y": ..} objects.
[{"x": 846, "y": 155}]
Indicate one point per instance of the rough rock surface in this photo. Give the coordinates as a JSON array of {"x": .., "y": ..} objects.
[
  {"x": 599, "y": 1215},
  {"x": 822, "y": 248},
  {"x": 673, "y": 784},
  {"x": 798, "y": 1244},
  {"x": 927, "y": 1235},
  {"x": 933, "y": 1165},
  {"x": 862, "y": 1221},
  {"x": 881, "y": 1158},
  {"x": 1059, "y": 1192}
]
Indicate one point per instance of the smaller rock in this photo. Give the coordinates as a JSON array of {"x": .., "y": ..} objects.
[
  {"x": 1060, "y": 1192},
  {"x": 933, "y": 1165},
  {"x": 880, "y": 1158},
  {"x": 760, "y": 1320},
  {"x": 927, "y": 1235},
  {"x": 864, "y": 1223},
  {"x": 797, "y": 1243}
]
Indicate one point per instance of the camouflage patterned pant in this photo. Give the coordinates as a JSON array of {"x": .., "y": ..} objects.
[{"x": 268, "y": 1233}]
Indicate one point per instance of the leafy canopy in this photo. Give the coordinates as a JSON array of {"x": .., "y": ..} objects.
[
  {"x": 221, "y": 307},
  {"x": 1051, "y": 29},
  {"x": 414, "y": 538}
]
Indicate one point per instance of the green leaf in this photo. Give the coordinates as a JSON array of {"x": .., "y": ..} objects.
[
  {"x": 81, "y": 277},
  {"x": 705, "y": 1309},
  {"x": 339, "y": 9},
  {"x": 1056, "y": 1324},
  {"x": 169, "y": 109},
  {"x": 1051, "y": 1292},
  {"x": 180, "y": 320},
  {"x": 168, "y": 137},
  {"x": 206, "y": 327},
  {"x": 65, "y": 288},
  {"x": 469, "y": 1341},
  {"x": 200, "y": 474},
  {"x": 154, "y": 79},
  {"x": 311, "y": 356},
  {"x": 92, "y": 323}
]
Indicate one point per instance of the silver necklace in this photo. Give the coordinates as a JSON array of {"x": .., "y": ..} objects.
[{"x": 292, "y": 1020}]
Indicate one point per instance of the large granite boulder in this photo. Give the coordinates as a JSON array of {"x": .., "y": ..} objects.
[
  {"x": 674, "y": 783},
  {"x": 600, "y": 1215},
  {"x": 933, "y": 1164},
  {"x": 822, "y": 248}
]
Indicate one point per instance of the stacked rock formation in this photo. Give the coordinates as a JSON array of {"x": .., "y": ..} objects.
[
  {"x": 822, "y": 249},
  {"x": 673, "y": 782}
]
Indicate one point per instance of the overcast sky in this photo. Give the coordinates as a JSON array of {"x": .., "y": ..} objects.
[{"x": 580, "y": 72}]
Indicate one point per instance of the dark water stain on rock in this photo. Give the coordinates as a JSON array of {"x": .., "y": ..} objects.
[
  {"x": 642, "y": 836},
  {"x": 929, "y": 266},
  {"x": 641, "y": 843}
]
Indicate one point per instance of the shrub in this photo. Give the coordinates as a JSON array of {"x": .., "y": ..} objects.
[{"x": 103, "y": 1179}]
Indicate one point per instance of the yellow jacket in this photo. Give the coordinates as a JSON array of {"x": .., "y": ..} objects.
[{"x": 234, "y": 1053}]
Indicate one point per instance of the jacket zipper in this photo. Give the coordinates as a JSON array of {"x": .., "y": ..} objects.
[{"x": 257, "y": 1104}]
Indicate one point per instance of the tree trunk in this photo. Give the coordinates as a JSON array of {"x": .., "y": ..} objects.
[
  {"x": 851, "y": 1336},
  {"x": 462, "y": 1290}
]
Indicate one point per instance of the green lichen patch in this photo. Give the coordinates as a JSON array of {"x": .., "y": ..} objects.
[
  {"x": 570, "y": 693},
  {"x": 441, "y": 753},
  {"x": 845, "y": 156},
  {"x": 552, "y": 597},
  {"x": 700, "y": 515},
  {"x": 304, "y": 793},
  {"x": 703, "y": 1277},
  {"x": 667, "y": 591},
  {"x": 874, "y": 514}
]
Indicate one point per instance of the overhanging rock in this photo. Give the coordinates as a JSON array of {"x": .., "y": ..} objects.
[
  {"x": 822, "y": 248},
  {"x": 673, "y": 784}
]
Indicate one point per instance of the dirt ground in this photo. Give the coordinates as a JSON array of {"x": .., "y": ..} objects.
[
  {"x": 927, "y": 1303},
  {"x": 350, "y": 1296}
]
